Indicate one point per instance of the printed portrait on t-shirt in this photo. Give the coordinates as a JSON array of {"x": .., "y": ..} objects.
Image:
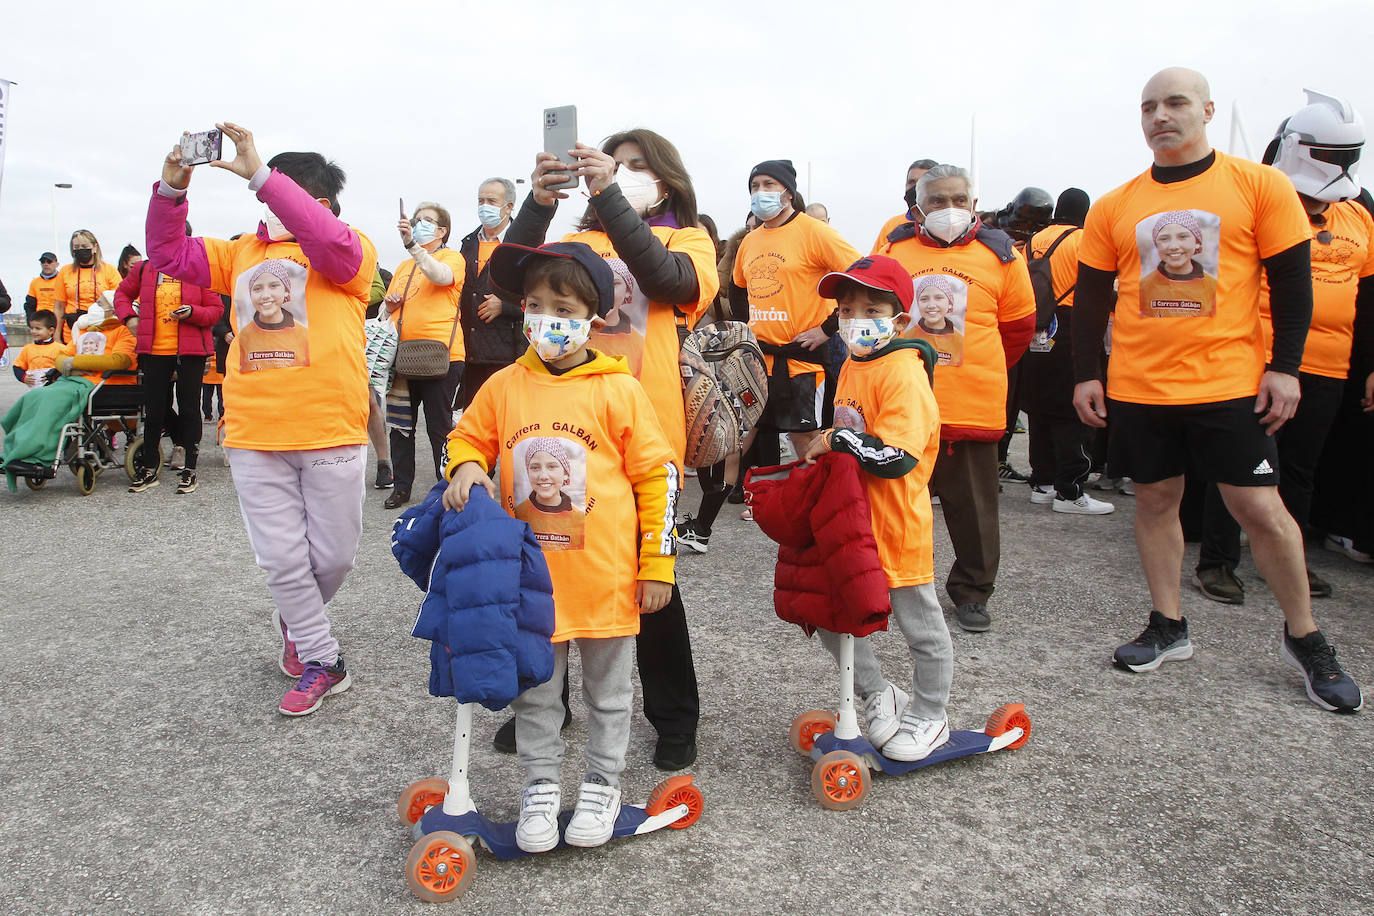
[
  {"x": 550, "y": 484},
  {"x": 940, "y": 306},
  {"x": 849, "y": 417},
  {"x": 91, "y": 343},
  {"x": 271, "y": 318},
  {"x": 627, "y": 322},
  {"x": 1179, "y": 250}
]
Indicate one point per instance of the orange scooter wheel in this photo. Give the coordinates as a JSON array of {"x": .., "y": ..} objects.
[
  {"x": 419, "y": 797},
  {"x": 839, "y": 780},
  {"x": 807, "y": 727},
  {"x": 440, "y": 866},
  {"x": 1004, "y": 719}
]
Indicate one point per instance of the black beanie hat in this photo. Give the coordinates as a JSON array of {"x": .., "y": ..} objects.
[
  {"x": 1072, "y": 207},
  {"x": 781, "y": 169}
]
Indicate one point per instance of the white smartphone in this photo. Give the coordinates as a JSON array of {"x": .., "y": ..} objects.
[{"x": 560, "y": 135}]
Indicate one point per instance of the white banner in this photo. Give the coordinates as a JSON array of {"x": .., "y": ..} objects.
[{"x": 4, "y": 116}]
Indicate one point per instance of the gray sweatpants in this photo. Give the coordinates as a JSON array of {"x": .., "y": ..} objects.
[
  {"x": 609, "y": 692},
  {"x": 917, "y": 612}
]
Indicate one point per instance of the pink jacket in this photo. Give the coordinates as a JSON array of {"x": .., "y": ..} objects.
[{"x": 193, "y": 332}]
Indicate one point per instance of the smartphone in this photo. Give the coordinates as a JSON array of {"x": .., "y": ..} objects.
[
  {"x": 202, "y": 147},
  {"x": 560, "y": 135},
  {"x": 403, "y": 206}
]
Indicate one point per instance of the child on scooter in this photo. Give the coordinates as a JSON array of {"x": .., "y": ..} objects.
[
  {"x": 891, "y": 425},
  {"x": 619, "y": 477}
]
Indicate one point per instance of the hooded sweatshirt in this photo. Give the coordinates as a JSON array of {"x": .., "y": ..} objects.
[{"x": 591, "y": 470}]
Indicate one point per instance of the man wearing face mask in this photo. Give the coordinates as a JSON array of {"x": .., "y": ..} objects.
[
  {"x": 991, "y": 303},
  {"x": 423, "y": 300},
  {"x": 43, "y": 287},
  {"x": 491, "y": 328}
]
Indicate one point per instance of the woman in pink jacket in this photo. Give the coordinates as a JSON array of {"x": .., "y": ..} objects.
[{"x": 172, "y": 322}]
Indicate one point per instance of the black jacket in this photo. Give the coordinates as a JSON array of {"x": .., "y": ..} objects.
[{"x": 501, "y": 341}]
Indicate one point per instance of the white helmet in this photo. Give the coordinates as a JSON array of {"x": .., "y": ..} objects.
[{"x": 1318, "y": 148}]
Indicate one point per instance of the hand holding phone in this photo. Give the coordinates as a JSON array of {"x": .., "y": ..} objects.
[
  {"x": 183, "y": 311},
  {"x": 202, "y": 147}
]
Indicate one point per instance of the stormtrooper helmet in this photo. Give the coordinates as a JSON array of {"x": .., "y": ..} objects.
[{"x": 1318, "y": 148}]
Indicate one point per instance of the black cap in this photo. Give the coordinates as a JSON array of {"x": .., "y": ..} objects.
[
  {"x": 509, "y": 262},
  {"x": 781, "y": 169},
  {"x": 47, "y": 256}
]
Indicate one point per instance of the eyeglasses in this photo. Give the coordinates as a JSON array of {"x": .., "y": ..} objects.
[{"x": 1344, "y": 157}]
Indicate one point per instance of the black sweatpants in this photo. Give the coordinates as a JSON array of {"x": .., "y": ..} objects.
[
  {"x": 1059, "y": 453},
  {"x": 664, "y": 651},
  {"x": 436, "y": 396},
  {"x": 157, "y": 383}
]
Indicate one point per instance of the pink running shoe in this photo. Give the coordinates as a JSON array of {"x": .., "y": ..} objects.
[
  {"x": 290, "y": 663},
  {"x": 315, "y": 684}
]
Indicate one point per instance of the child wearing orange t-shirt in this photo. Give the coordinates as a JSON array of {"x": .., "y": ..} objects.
[
  {"x": 42, "y": 351},
  {"x": 894, "y": 434},
  {"x": 581, "y": 438}
]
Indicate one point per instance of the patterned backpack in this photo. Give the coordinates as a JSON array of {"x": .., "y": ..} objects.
[{"x": 725, "y": 388}]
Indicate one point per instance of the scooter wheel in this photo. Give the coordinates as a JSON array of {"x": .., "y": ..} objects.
[
  {"x": 440, "y": 866},
  {"x": 674, "y": 791},
  {"x": 419, "y": 797},
  {"x": 807, "y": 726},
  {"x": 839, "y": 780},
  {"x": 1004, "y": 719}
]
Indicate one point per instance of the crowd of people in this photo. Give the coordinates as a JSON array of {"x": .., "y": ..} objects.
[{"x": 1217, "y": 313}]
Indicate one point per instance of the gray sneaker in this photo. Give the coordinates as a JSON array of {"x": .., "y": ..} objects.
[{"x": 973, "y": 617}]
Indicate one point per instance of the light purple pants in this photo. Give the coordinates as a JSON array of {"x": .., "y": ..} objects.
[{"x": 304, "y": 515}]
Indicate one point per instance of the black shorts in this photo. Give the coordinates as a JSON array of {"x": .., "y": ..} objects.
[
  {"x": 1219, "y": 442},
  {"x": 794, "y": 404}
]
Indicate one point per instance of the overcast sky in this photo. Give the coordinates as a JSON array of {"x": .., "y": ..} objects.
[{"x": 423, "y": 101}]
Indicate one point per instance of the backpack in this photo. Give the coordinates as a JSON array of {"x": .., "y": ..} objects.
[
  {"x": 724, "y": 389},
  {"x": 1042, "y": 281}
]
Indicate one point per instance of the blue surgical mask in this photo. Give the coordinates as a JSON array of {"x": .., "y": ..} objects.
[
  {"x": 488, "y": 215},
  {"x": 554, "y": 338},
  {"x": 765, "y": 204},
  {"x": 423, "y": 232},
  {"x": 864, "y": 336}
]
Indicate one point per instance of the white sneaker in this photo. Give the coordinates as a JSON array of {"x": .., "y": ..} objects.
[
  {"x": 1042, "y": 496},
  {"x": 1083, "y": 505},
  {"x": 537, "y": 830},
  {"x": 1346, "y": 546},
  {"x": 883, "y": 714},
  {"x": 916, "y": 738},
  {"x": 593, "y": 820},
  {"x": 178, "y": 459}
]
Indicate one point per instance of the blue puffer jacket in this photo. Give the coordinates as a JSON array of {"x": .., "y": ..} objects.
[{"x": 488, "y": 611}]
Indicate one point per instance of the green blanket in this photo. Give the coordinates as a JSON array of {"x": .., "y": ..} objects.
[{"x": 35, "y": 422}]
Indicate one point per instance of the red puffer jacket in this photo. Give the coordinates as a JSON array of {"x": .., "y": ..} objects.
[
  {"x": 828, "y": 573},
  {"x": 193, "y": 332}
]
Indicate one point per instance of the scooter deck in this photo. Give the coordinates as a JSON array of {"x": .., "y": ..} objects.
[
  {"x": 499, "y": 837},
  {"x": 960, "y": 744}
]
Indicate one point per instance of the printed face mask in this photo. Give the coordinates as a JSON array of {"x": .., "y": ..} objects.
[
  {"x": 948, "y": 224},
  {"x": 423, "y": 232},
  {"x": 864, "y": 336},
  {"x": 554, "y": 338},
  {"x": 488, "y": 215},
  {"x": 275, "y": 230},
  {"x": 765, "y": 204},
  {"x": 639, "y": 189}
]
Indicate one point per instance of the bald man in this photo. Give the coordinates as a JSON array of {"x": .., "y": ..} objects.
[
  {"x": 1189, "y": 389},
  {"x": 818, "y": 211}
]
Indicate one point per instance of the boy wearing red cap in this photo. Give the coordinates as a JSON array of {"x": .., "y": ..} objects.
[
  {"x": 591, "y": 471},
  {"x": 887, "y": 418}
]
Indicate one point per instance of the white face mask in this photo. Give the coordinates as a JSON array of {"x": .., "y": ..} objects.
[
  {"x": 765, "y": 204},
  {"x": 948, "y": 224},
  {"x": 864, "y": 336},
  {"x": 489, "y": 215},
  {"x": 639, "y": 189},
  {"x": 553, "y": 338},
  {"x": 275, "y": 230}
]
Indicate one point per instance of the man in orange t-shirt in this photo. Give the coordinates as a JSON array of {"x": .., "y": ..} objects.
[
  {"x": 1189, "y": 390},
  {"x": 979, "y": 314},
  {"x": 42, "y": 288}
]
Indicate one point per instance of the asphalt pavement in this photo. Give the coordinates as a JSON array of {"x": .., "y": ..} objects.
[{"x": 144, "y": 767}]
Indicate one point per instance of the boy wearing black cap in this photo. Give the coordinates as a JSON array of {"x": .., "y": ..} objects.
[
  {"x": 887, "y": 418},
  {"x": 576, "y": 436}
]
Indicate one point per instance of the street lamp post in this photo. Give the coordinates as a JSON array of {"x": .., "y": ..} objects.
[{"x": 53, "y": 194}]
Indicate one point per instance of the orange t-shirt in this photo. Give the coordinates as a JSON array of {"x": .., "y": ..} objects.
[
  {"x": 888, "y": 226},
  {"x": 43, "y": 289},
  {"x": 212, "y": 375},
  {"x": 780, "y": 268},
  {"x": 889, "y": 397},
  {"x": 35, "y": 359},
  {"x": 484, "y": 250},
  {"x": 1228, "y": 218},
  {"x": 588, "y": 445},
  {"x": 1338, "y": 264},
  {"x": 320, "y": 401},
  {"x": 966, "y": 286},
  {"x": 78, "y": 288},
  {"x": 430, "y": 311},
  {"x": 659, "y": 372},
  {"x": 111, "y": 338},
  {"x": 1064, "y": 261},
  {"x": 165, "y": 330}
]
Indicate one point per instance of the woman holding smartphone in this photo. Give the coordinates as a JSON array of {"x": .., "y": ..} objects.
[
  {"x": 643, "y": 210},
  {"x": 172, "y": 322}
]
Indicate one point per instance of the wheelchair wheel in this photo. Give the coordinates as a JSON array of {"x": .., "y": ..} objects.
[
  {"x": 35, "y": 483},
  {"x": 133, "y": 458},
  {"x": 85, "y": 477}
]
